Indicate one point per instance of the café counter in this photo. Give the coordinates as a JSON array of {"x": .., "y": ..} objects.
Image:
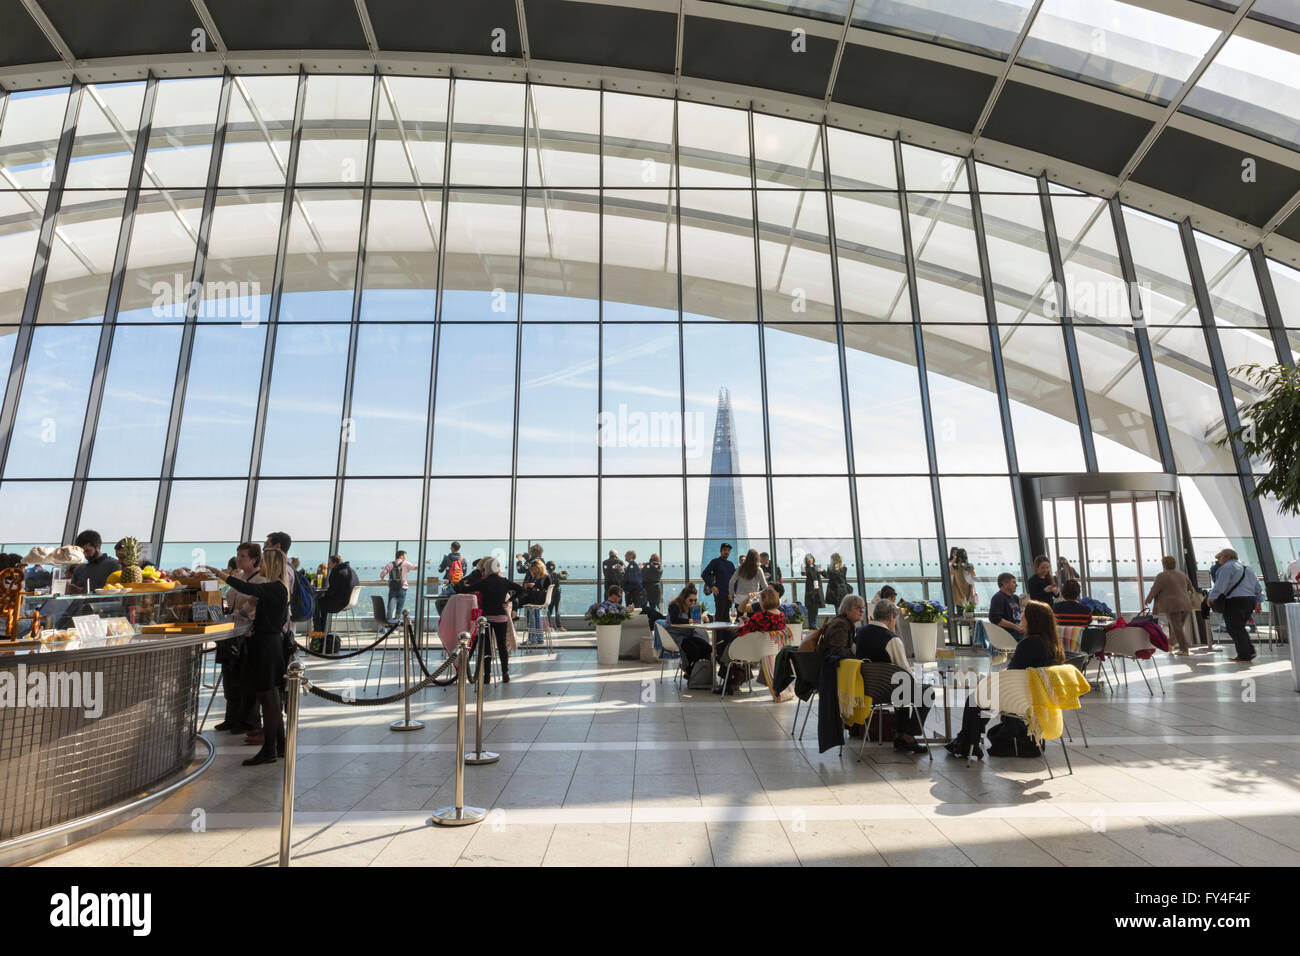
[{"x": 93, "y": 731}]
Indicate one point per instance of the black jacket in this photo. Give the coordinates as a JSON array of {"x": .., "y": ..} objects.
[
  {"x": 613, "y": 571},
  {"x": 812, "y": 589},
  {"x": 534, "y": 591},
  {"x": 492, "y": 592},
  {"x": 342, "y": 580},
  {"x": 1030, "y": 652},
  {"x": 652, "y": 574}
]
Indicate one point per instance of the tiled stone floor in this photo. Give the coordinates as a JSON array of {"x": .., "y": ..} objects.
[{"x": 609, "y": 766}]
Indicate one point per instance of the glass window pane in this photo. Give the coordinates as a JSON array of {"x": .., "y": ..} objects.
[
  {"x": 335, "y": 129},
  {"x": 118, "y": 509},
  {"x": 638, "y": 145},
  {"x": 160, "y": 260},
  {"x": 34, "y": 512},
  {"x": 948, "y": 282},
  {"x": 966, "y": 24},
  {"x": 813, "y": 516},
  {"x": 833, "y": 11},
  {"x": 1019, "y": 267},
  {"x": 860, "y": 162},
  {"x": 548, "y": 509},
  {"x": 259, "y": 126},
  {"x": 963, "y": 400},
  {"x": 1284, "y": 13},
  {"x": 1216, "y": 517},
  {"x": 1251, "y": 86},
  {"x": 805, "y": 405},
  {"x": 411, "y": 130},
  {"x": 302, "y": 508},
  {"x": 375, "y": 510},
  {"x": 487, "y": 137},
  {"x": 1190, "y": 397},
  {"x": 714, "y": 149},
  {"x": 1043, "y": 415},
  {"x": 869, "y": 245},
  {"x": 899, "y": 546},
  {"x": 1118, "y": 407},
  {"x": 320, "y": 265},
  {"x": 978, "y": 515},
  {"x": 180, "y": 133},
  {"x": 1116, "y": 45},
  {"x": 203, "y": 511},
  {"x": 718, "y": 255},
  {"x": 474, "y": 409},
  {"x": 461, "y": 508},
  {"x": 1284, "y": 534},
  {"x": 725, "y": 509},
  {"x": 561, "y": 256},
  {"x": 81, "y": 259},
  {"x": 106, "y": 132},
  {"x": 1286, "y": 286},
  {"x": 222, "y": 384},
  {"x": 401, "y": 273},
  {"x": 1164, "y": 284},
  {"x": 787, "y": 153},
  {"x": 20, "y": 227},
  {"x": 52, "y": 405},
  {"x": 29, "y": 141},
  {"x": 641, "y": 509},
  {"x": 1094, "y": 285},
  {"x": 306, "y": 385},
  {"x": 390, "y": 400},
  {"x": 1234, "y": 294},
  {"x": 240, "y": 269},
  {"x": 639, "y": 256},
  {"x": 137, "y": 403},
  {"x": 928, "y": 170},
  {"x": 481, "y": 272},
  {"x": 723, "y": 397},
  {"x": 641, "y": 419},
  {"x": 557, "y": 400},
  {"x": 563, "y": 136},
  {"x": 794, "y": 250},
  {"x": 885, "y": 400}
]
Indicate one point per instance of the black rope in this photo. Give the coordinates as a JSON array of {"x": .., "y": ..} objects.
[
  {"x": 342, "y": 657},
  {"x": 372, "y": 701}
]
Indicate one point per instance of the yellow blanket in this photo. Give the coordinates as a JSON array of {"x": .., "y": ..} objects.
[
  {"x": 1051, "y": 691},
  {"x": 855, "y": 705}
]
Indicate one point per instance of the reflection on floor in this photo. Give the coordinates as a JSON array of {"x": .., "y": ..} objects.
[{"x": 611, "y": 766}]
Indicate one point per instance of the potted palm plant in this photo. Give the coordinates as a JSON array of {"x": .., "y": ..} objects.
[
  {"x": 607, "y": 618},
  {"x": 924, "y": 618}
]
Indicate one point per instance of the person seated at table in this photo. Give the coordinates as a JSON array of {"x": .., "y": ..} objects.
[
  {"x": 1069, "y": 612},
  {"x": 533, "y": 599},
  {"x": 1004, "y": 608},
  {"x": 338, "y": 593},
  {"x": 886, "y": 593},
  {"x": 769, "y": 617},
  {"x": 682, "y": 627},
  {"x": 837, "y": 635},
  {"x": 878, "y": 643},
  {"x": 1040, "y": 585},
  {"x": 1040, "y": 647}
]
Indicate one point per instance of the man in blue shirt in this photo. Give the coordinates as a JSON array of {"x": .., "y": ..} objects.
[
  {"x": 1242, "y": 594},
  {"x": 717, "y": 580},
  {"x": 1004, "y": 606}
]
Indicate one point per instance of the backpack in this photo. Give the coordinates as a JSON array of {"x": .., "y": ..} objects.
[
  {"x": 456, "y": 570},
  {"x": 701, "y": 676},
  {"x": 301, "y": 599},
  {"x": 395, "y": 574}
]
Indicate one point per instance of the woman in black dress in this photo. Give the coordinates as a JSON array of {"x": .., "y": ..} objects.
[
  {"x": 837, "y": 582},
  {"x": 264, "y": 664},
  {"x": 813, "y": 601}
]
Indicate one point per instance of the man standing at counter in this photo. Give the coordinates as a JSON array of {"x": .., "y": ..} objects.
[{"x": 93, "y": 574}]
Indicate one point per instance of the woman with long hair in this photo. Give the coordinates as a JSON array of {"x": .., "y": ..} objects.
[
  {"x": 837, "y": 582},
  {"x": 1041, "y": 585},
  {"x": 681, "y": 625},
  {"x": 813, "y": 601},
  {"x": 493, "y": 591},
  {"x": 265, "y": 661},
  {"x": 533, "y": 599},
  {"x": 748, "y": 580},
  {"x": 962, "y": 575}
]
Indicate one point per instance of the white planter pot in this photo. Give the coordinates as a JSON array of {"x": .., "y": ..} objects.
[
  {"x": 607, "y": 638},
  {"x": 796, "y": 632},
  {"x": 925, "y": 641}
]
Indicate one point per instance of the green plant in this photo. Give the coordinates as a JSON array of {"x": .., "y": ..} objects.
[
  {"x": 1270, "y": 431},
  {"x": 925, "y": 612}
]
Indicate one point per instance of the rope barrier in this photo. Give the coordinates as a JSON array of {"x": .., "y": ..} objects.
[
  {"x": 342, "y": 657},
  {"x": 374, "y": 701}
]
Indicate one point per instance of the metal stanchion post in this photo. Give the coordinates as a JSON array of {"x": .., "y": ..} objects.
[
  {"x": 480, "y": 755},
  {"x": 406, "y": 723},
  {"x": 290, "y": 760},
  {"x": 459, "y": 815}
]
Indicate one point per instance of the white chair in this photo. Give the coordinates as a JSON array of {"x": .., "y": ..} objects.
[
  {"x": 671, "y": 647},
  {"x": 1001, "y": 639},
  {"x": 1125, "y": 643},
  {"x": 1007, "y": 692},
  {"x": 347, "y": 613},
  {"x": 745, "y": 650}
]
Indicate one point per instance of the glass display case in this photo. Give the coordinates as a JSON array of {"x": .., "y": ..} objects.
[{"x": 124, "y": 612}]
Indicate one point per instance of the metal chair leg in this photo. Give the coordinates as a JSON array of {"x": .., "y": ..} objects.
[
  {"x": 795, "y": 723},
  {"x": 1048, "y": 763},
  {"x": 925, "y": 740},
  {"x": 1142, "y": 670},
  {"x": 1066, "y": 751},
  {"x": 726, "y": 677},
  {"x": 1158, "y": 677},
  {"x": 806, "y": 714},
  {"x": 1079, "y": 716}
]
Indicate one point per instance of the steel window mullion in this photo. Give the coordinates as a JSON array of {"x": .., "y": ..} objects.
[
  {"x": 108, "y": 326},
  {"x": 600, "y": 345},
  {"x": 941, "y": 536},
  {"x": 1067, "y": 325},
  {"x": 273, "y": 314},
  {"x": 1145, "y": 356},
  {"x": 1272, "y": 311},
  {"x": 185, "y": 355},
  {"x": 426, "y": 480},
  {"x": 762, "y": 336},
  {"x": 1201, "y": 292},
  {"x": 358, "y": 284},
  {"x": 675, "y": 192},
  {"x": 519, "y": 342},
  {"x": 40, "y": 266},
  {"x": 999, "y": 370},
  {"x": 832, "y": 250}
]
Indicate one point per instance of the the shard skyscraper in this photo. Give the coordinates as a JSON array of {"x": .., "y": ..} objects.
[{"x": 725, "y": 518}]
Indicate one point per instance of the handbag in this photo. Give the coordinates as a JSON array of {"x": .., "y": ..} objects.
[{"x": 1221, "y": 602}]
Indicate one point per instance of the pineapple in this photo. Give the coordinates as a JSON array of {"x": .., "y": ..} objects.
[{"x": 131, "y": 561}]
